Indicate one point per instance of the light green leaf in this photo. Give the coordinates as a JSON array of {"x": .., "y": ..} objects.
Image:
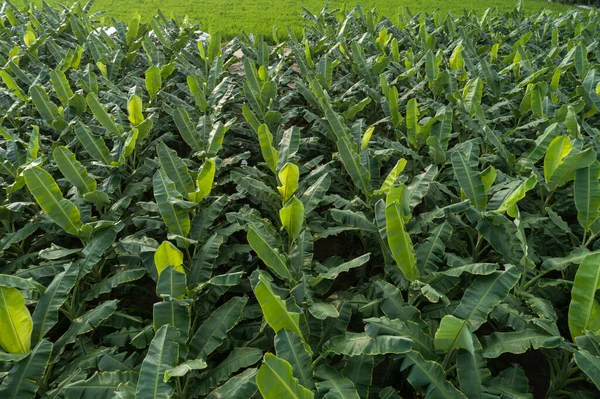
[
  {"x": 276, "y": 381},
  {"x": 204, "y": 181},
  {"x": 274, "y": 308},
  {"x": 558, "y": 148},
  {"x": 292, "y": 217},
  {"x": 288, "y": 176},
  {"x": 168, "y": 254},
  {"x": 134, "y": 110},
  {"x": 16, "y": 321},
  {"x": 269, "y": 153},
  {"x": 176, "y": 218},
  {"x": 47, "y": 194},
  {"x": 453, "y": 333}
]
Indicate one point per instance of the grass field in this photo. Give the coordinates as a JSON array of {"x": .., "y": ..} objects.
[{"x": 258, "y": 16}]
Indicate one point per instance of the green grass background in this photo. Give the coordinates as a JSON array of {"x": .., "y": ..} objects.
[{"x": 258, "y": 16}]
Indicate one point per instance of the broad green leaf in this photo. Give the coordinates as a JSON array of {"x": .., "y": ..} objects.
[
  {"x": 288, "y": 176},
  {"x": 21, "y": 381},
  {"x": 184, "y": 368},
  {"x": 269, "y": 255},
  {"x": 100, "y": 114},
  {"x": 472, "y": 373},
  {"x": 173, "y": 312},
  {"x": 276, "y": 381},
  {"x": 175, "y": 168},
  {"x": 240, "y": 386},
  {"x": 274, "y": 308},
  {"x": 108, "y": 284},
  {"x": 400, "y": 242},
  {"x": 429, "y": 375},
  {"x": 94, "y": 145},
  {"x": 168, "y": 254},
  {"x": 332, "y": 273},
  {"x": 45, "y": 314},
  {"x": 162, "y": 355},
  {"x": 237, "y": 359},
  {"x": 517, "y": 342},
  {"x": 484, "y": 294},
  {"x": 589, "y": 364},
  {"x": 292, "y": 217},
  {"x": 212, "y": 332},
  {"x": 165, "y": 191},
  {"x": 472, "y": 94},
  {"x": 290, "y": 347},
  {"x": 47, "y": 109},
  {"x": 84, "y": 324},
  {"x": 412, "y": 123},
  {"x": 16, "y": 321},
  {"x": 61, "y": 86},
  {"x": 351, "y": 160},
  {"x": 584, "y": 310},
  {"x": 73, "y": 170},
  {"x": 186, "y": 129},
  {"x": 216, "y": 137},
  {"x": 429, "y": 255},
  {"x": 359, "y": 370},
  {"x": 469, "y": 180},
  {"x": 315, "y": 193},
  {"x": 353, "y": 219},
  {"x": 356, "y": 344},
  {"x": 587, "y": 195},
  {"x": 558, "y": 149},
  {"x": 334, "y": 385},
  {"x": 100, "y": 384},
  {"x": 47, "y": 194}
]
